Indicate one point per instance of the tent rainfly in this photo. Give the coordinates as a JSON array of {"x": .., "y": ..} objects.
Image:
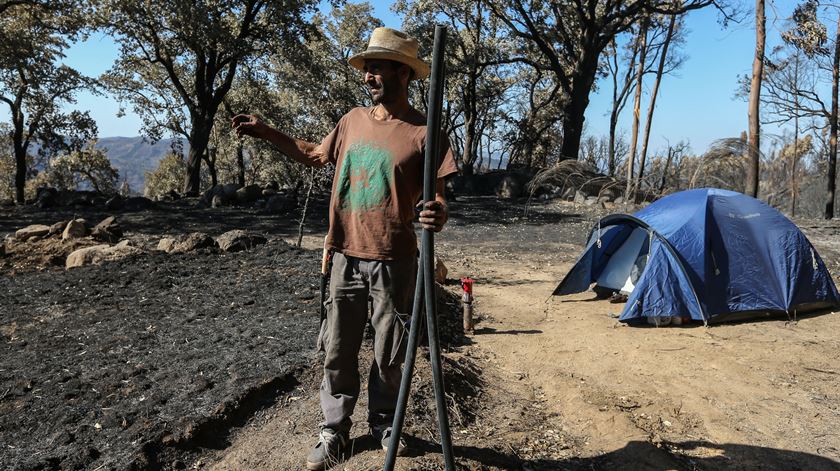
[{"x": 708, "y": 254}]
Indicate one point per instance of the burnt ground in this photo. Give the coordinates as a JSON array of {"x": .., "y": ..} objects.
[{"x": 171, "y": 361}]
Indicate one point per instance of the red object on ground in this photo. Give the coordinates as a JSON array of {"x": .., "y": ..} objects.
[{"x": 467, "y": 285}]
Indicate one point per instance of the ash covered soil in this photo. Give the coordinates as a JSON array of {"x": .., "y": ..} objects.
[
  {"x": 206, "y": 360},
  {"x": 108, "y": 365}
]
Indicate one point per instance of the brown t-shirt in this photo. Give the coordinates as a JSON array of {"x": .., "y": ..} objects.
[{"x": 378, "y": 182}]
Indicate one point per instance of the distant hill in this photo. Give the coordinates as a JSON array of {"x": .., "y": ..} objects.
[{"x": 134, "y": 156}]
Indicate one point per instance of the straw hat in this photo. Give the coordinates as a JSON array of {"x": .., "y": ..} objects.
[{"x": 390, "y": 44}]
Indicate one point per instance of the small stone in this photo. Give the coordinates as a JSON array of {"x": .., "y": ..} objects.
[
  {"x": 58, "y": 227},
  {"x": 248, "y": 194},
  {"x": 440, "y": 271},
  {"x": 188, "y": 243},
  {"x": 84, "y": 256},
  {"x": 34, "y": 230},
  {"x": 75, "y": 229},
  {"x": 108, "y": 230},
  {"x": 100, "y": 253},
  {"x": 218, "y": 201},
  {"x": 166, "y": 244},
  {"x": 237, "y": 240}
]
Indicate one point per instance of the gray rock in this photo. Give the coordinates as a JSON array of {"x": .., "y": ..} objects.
[
  {"x": 230, "y": 189},
  {"x": 619, "y": 200},
  {"x": 440, "y": 271},
  {"x": 604, "y": 199},
  {"x": 591, "y": 201},
  {"x": 237, "y": 240},
  {"x": 609, "y": 193},
  {"x": 187, "y": 243},
  {"x": 280, "y": 204},
  {"x": 35, "y": 230},
  {"x": 84, "y": 256},
  {"x": 75, "y": 229},
  {"x": 580, "y": 198},
  {"x": 248, "y": 194},
  {"x": 100, "y": 253},
  {"x": 207, "y": 196},
  {"x": 509, "y": 188},
  {"x": 108, "y": 230},
  {"x": 218, "y": 201},
  {"x": 167, "y": 244},
  {"x": 58, "y": 228}
]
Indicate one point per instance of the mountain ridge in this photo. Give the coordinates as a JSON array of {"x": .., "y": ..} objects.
[{"x": 134, "y": 156}]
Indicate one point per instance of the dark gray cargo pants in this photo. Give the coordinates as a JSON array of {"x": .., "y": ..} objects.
[{"x": 390, "y": 285}]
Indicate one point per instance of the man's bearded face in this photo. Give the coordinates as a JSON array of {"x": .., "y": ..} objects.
[{"x": 382, "y": 80}]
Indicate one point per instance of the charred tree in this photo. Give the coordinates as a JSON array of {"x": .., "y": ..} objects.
[{"x": 755, "y": 100}]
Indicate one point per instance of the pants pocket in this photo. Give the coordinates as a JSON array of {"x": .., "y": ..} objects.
[
  {"x": 399, "y": 337},
  {"x": 323, "y": 331}
]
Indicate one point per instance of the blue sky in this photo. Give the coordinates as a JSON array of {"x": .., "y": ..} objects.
[{"x": 695, "y": 104}]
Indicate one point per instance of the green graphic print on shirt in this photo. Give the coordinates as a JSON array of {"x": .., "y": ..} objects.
[{"x": 364, "y": 181}]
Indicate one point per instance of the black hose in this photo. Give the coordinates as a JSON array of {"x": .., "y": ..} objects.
[
  {"x": 408, "y": 370},
  {"x": 426, "y": 276}
]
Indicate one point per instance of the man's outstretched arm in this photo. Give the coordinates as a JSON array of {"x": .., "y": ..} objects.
[{"x": 298, "y": 150}]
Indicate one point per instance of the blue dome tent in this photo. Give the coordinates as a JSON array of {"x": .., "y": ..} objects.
[{"x": 708, "y": 254}]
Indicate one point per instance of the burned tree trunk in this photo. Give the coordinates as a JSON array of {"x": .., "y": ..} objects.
[
  {"x": 659, "y": 71},
  {"x": 755, "y": 101},
  {"x": 631, "y": 157},
  {"x": 832, "y": 140}
]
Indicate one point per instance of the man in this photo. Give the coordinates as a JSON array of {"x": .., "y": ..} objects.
[{"x": 378, "y": 153}]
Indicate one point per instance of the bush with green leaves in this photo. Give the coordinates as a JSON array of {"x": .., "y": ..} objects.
[
  {"x": 168, "y": 176},
  {"x": 86, "y": 169}
]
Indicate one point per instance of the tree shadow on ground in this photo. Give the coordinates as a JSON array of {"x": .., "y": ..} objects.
[
  {"x": 490, "y": 331},
  {"x": 645, "y": 456}
]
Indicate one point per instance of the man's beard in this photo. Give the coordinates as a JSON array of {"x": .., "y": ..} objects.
[{"x": 384, "y": 94}]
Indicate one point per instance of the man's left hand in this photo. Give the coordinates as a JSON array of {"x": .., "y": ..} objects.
[{"x": 433, "y": 215}]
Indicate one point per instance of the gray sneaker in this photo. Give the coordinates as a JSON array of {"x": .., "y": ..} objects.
[
  {"x": 327, "y": 452},
  {"x": 383, "y": 434}
]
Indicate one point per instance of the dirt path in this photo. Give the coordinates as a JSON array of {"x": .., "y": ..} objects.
[
  {"x": 761, "y": 394},
  {"x": 565, "y": 386}
]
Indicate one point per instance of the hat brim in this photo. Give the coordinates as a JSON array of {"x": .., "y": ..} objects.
[{"x": 420, "y": 68}]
